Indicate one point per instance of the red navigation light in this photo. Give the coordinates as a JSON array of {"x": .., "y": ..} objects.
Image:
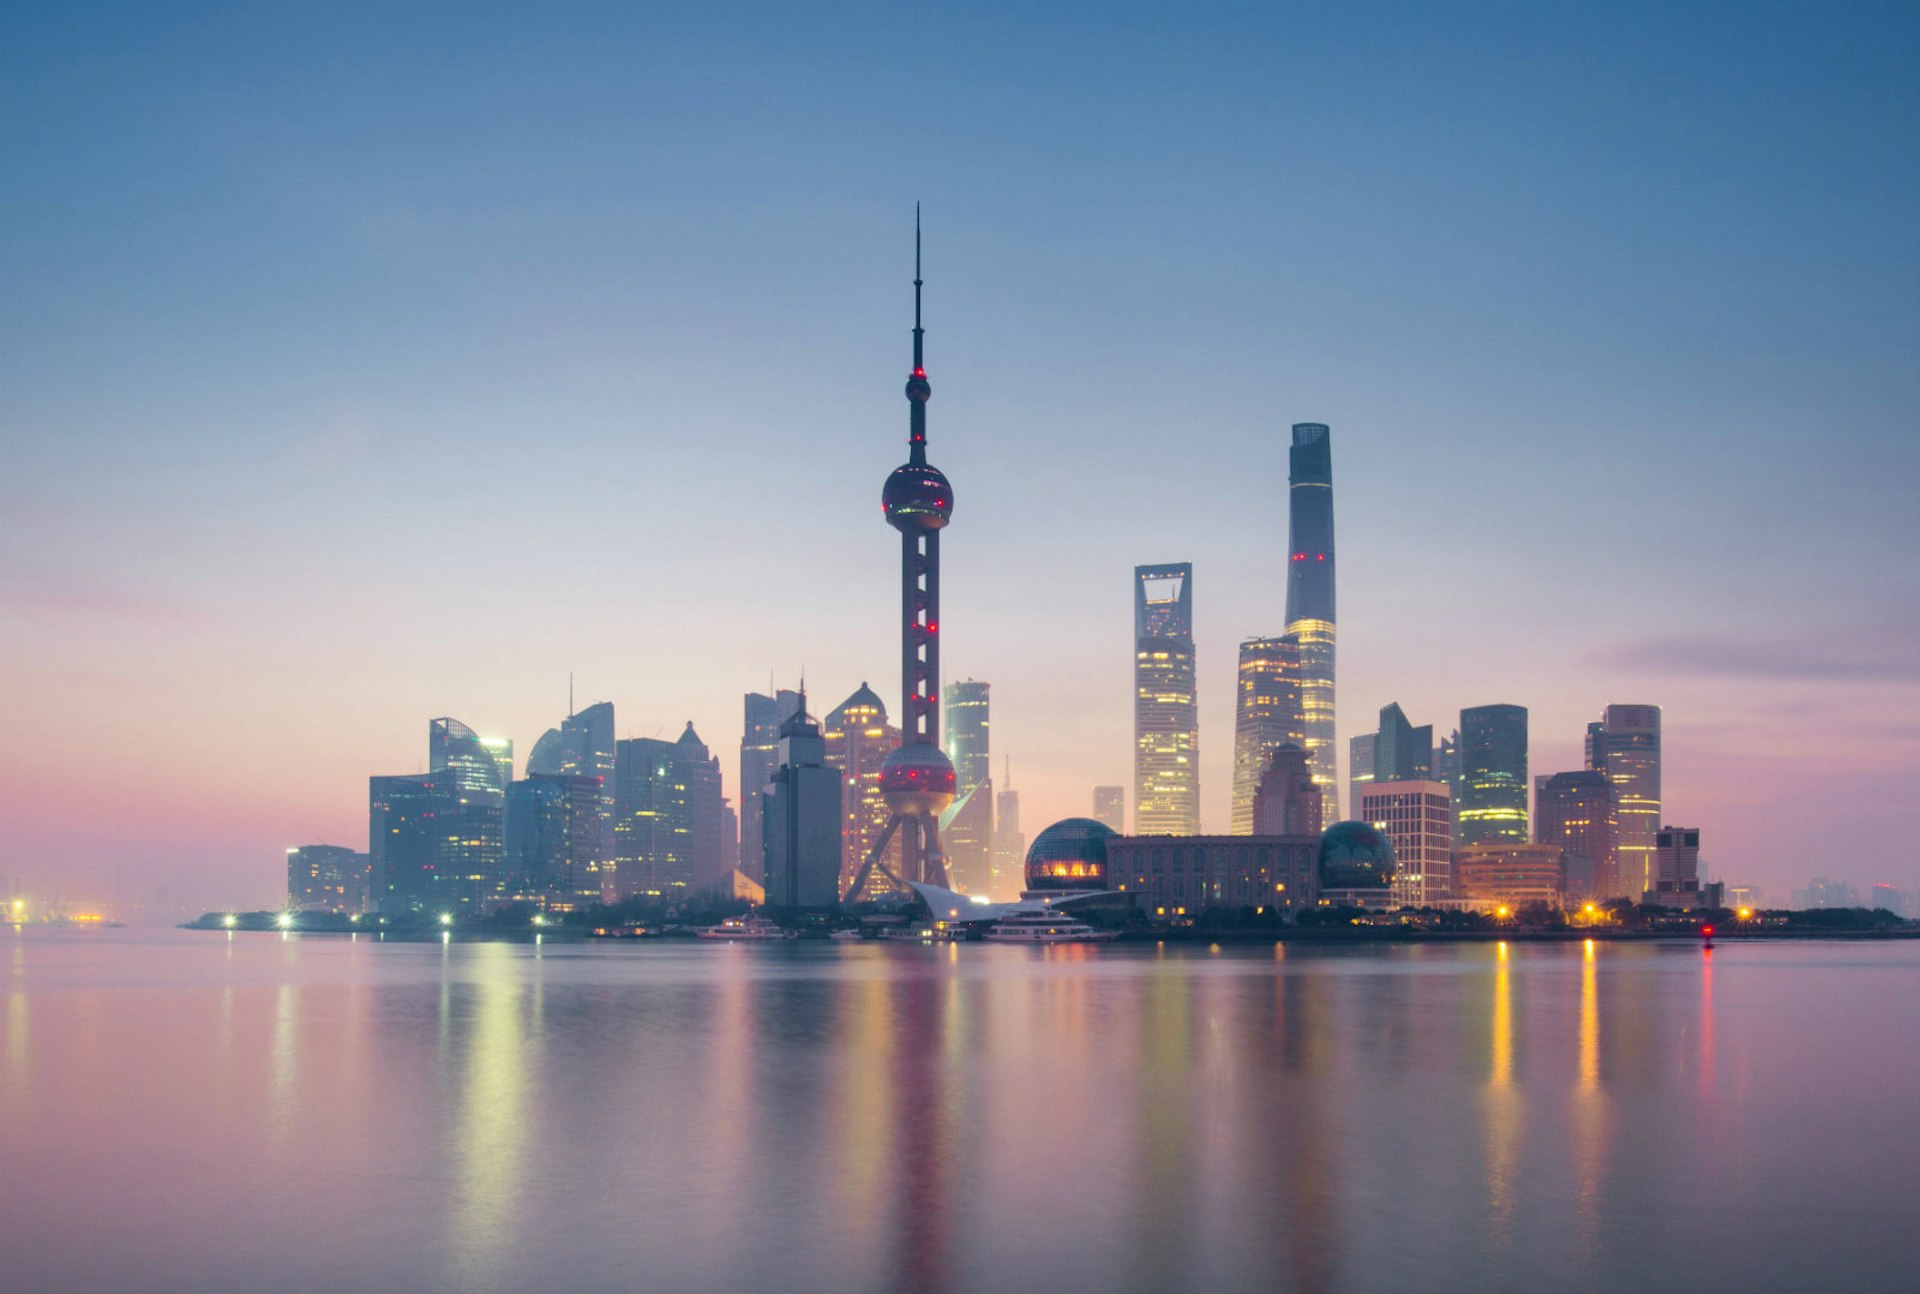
[
  {"x": 919, "y": 372},
  {"x": 932, "y": 628},
  {"x": 1706, "y": 932}
]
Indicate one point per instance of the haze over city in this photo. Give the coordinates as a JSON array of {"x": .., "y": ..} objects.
[{"x": 358, "y": 368}]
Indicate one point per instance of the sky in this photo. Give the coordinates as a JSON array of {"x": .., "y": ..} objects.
[{"x": 364, "y": 364}]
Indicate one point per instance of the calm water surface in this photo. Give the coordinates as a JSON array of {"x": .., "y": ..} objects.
[{"x": 195, "y": 1111}]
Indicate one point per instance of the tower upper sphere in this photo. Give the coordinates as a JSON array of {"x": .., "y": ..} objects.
[{"x": 917, "y": 497}]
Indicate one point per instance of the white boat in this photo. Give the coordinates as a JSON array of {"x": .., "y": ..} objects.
[
  {"x": 845, "y": 936},
  {"x": 1046, "y": 928},
  {"x": 742, "y": 928}
]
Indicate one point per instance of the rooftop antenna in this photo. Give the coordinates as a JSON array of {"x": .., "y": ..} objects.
[{"x": 569, "y": 694}]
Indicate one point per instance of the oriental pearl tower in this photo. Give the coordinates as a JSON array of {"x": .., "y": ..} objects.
[{"x": 916, "y": 779}]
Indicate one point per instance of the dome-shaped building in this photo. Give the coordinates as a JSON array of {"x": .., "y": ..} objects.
[
  {"x": 1069, "y": 855},
  {"x": 1355, "y": 856}
]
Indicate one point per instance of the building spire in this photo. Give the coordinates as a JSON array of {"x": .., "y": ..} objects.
[
  {"x": 919, "y": 390},
  {"x": 919, "y": 359}
]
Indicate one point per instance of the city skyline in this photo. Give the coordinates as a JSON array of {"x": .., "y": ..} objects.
[{"x": 227, "y": 474}]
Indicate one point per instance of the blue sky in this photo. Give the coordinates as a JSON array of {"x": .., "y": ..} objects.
[{"x": 361, "y": 365}]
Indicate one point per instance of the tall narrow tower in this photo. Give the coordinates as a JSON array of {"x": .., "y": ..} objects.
[
  {"x": 917, "y": 779},
  {"x": 1310, "y": 595}
]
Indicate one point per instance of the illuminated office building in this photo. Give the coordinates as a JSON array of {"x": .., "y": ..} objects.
[
  {"x": 1166, "y": 720},
  {"x": 1625, "y": 745},
  {"x": 667, "y": 819},
  {"x": 1508, "y": 874},
  {"x": 1110, "y": 806},
  {"x": 552, "y": 838},
  {"x": 759, "y": 756},
  {"x": 967, "y": 733},
  {"x": 1490, "y": 804},
  {"x": 1575, "y": 811},
  {"x": 1416, "y": 817},
  {"x": 966, "y": 825},
  {"x": 583, "y": 746},
  {"x": 410, "y": 849},
  {"x": 858, "y": 740},
  {"x": 1310, "y": 609},
  {"x": 1266, "y": 716},
  {"x": 472, "y": 773},
  {"x": 326, "y": 878}
]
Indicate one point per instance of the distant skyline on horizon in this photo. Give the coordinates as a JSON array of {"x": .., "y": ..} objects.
[{"x": 358, "y": 369}]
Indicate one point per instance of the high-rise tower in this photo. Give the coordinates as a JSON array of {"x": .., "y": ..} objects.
[
  {"x": 1625, "y": 745},
  {"x": 1490, "y": 803},
  {"x": 1166, "y": 718},
  {"x": 918, "y": 778},
  {"x": 1266, "y": 716},
  {"x": 1310, "y": 595}
]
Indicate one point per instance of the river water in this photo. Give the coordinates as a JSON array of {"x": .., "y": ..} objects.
[{"x": 211, "y": 1112}]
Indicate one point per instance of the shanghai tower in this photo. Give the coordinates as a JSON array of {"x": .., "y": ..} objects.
[
  {"x": 1310, "y": 596},
  {"x": 916, "y": 780}
]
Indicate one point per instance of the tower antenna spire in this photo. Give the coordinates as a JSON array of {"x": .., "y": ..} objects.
[{"x": 919, "y": 359}]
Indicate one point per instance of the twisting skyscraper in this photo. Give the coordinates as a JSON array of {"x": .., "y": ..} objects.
[
  {"x": 918, "y": 778},
  {"x": 1310, "y": 595}
]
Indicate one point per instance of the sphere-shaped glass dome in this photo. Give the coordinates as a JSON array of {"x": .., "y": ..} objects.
[
  {"x": 1355, "y": 856},
  {"x": 917, "y": 778},
  {"x": 1069, "y": 855},
  {"x": 917, "y": 497}
]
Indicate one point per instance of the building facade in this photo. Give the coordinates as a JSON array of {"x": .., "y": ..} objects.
[
  {"x": 966, "y": 825},
  {"x": 1266, "y": 716},
  {"x": 583, "y": 746},
  {"x": 1110, "y": 806},
  {"x": 759, "y": 755},
  {"x": 1009, "y": 845},
  {"x": 1166, "y": 717},
  {"x": 472, "y": 773},
  {"x": 1417, "y": 819},
  {"x": 1625, "y": 745},
  {"x": 858, "y": 740},
  {"x": 552, "y": 841},
  {"x": 1575, "y": 812},
  {"x": 667, "y": 819},
  {"x": 1490, "y": 801},
  {"x": 1676, "y": 868},
  {"x": 801, "y": 819},
  {"x": 1491, "y": 876},
  {"x": 1179, "y": 877},
  {"x": 1288, "y": 802},
  {"x": 1310, "y": 600},
  {"x": 327, "y": 878}
]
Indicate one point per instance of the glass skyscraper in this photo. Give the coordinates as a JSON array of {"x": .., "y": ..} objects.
[
  {"x": 582, "y": 746},
  {"x": 1310, "y": 603},
  {"x": 1266, "y": 716},
  {"x": 858, "y": 740},
  {"x": 667, "y": 818},
  {"x": 1625, "y": 745},
  {"x": 759, "y": 756},
  {"x": 1490, "y": 803},
  {"x": 966, "y": 825},
  {"x": 1166, "y": 720}
]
